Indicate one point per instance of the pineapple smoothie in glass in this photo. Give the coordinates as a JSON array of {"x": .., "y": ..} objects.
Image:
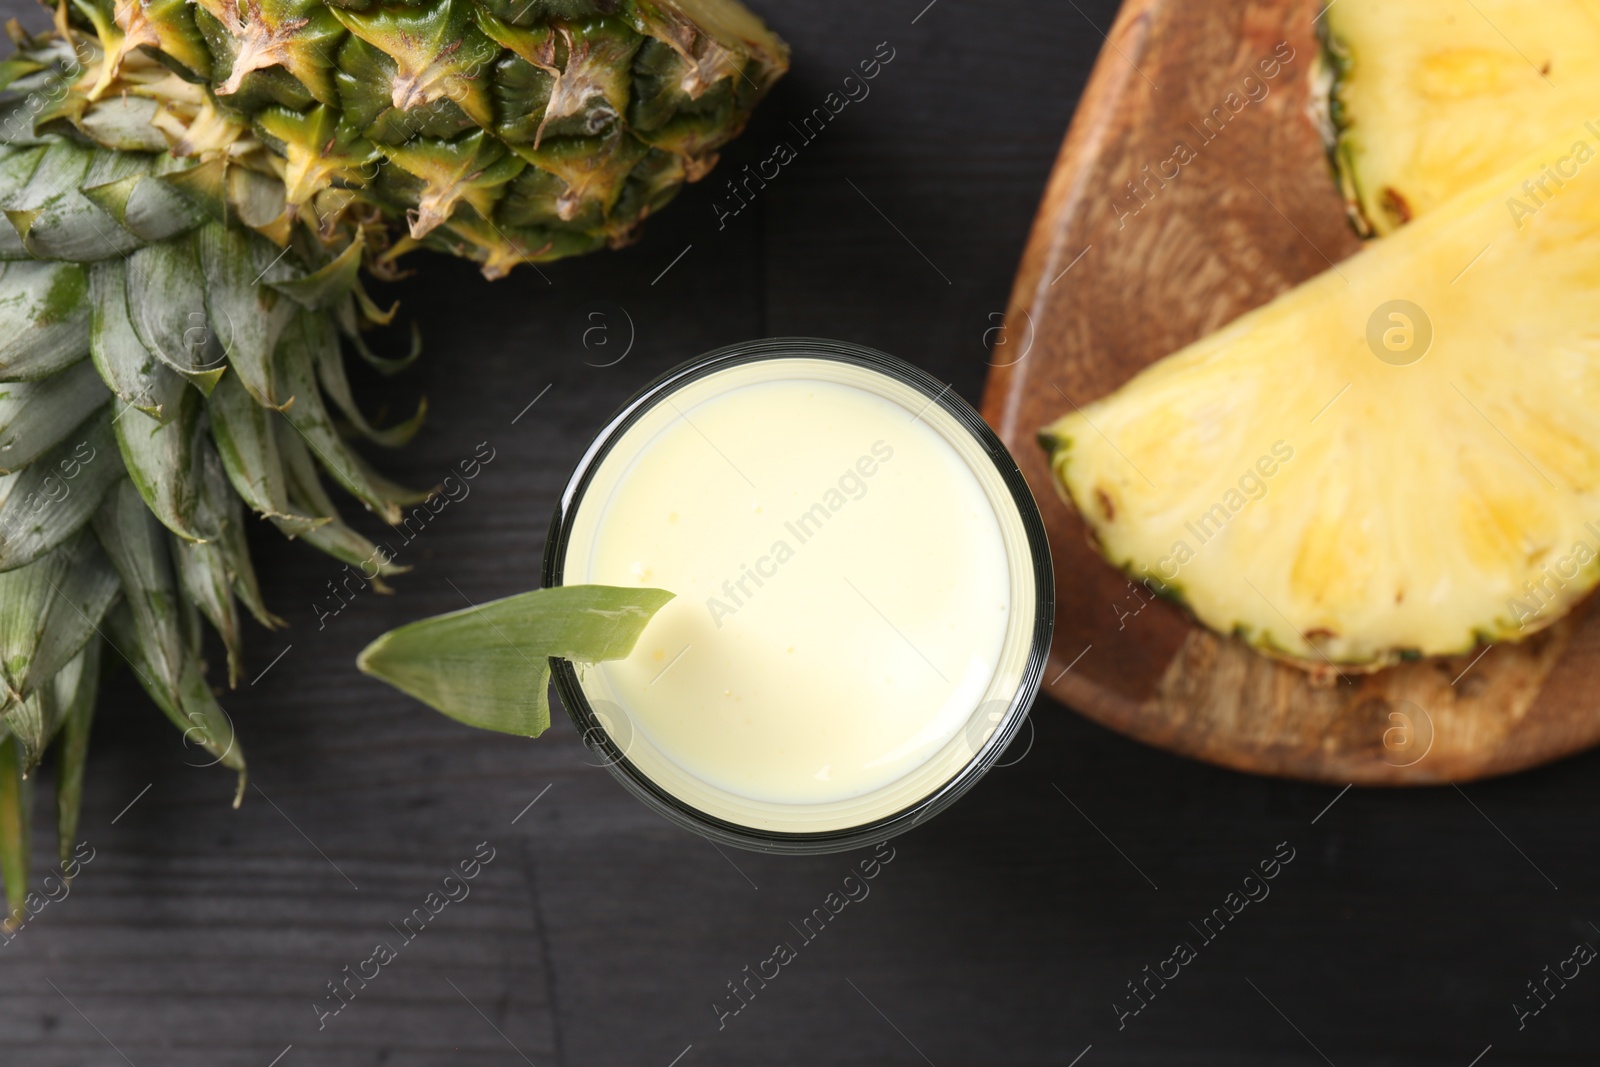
[{"x": 863, "y": 595}]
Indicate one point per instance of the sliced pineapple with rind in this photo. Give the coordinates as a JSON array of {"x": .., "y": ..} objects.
[
  {"x": 1433, "y": 96},
  {"x": 1399, "y": 457}
]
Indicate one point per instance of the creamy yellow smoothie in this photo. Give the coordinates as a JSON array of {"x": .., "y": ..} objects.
[{"x": 855, "y": 599}]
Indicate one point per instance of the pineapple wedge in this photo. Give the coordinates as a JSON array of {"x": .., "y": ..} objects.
[
  {"x": 1398, "y": 458},
  {"x": 1433, "y": 96}
]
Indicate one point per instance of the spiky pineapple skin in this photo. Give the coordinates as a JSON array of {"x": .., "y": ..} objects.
[
  {"x": 1343, "y": 510},
  {"x": 506, "y": 131}
]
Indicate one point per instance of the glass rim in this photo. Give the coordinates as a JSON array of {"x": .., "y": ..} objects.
[{"x": 593, "y": 731}]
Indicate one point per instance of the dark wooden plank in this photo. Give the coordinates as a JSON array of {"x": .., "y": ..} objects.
[{"x": 1002, "y": 931}]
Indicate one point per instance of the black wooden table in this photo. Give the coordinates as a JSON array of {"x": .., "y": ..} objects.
[{"x": 1015, "y": 929}]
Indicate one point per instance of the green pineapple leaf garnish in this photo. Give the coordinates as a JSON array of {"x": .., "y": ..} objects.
[{"x": 489, "y": 665}]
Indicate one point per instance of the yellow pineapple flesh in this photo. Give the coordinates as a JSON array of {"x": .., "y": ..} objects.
[
  {"x": 1400, "y": 457},
  {"x": 1433, "y": 96}
]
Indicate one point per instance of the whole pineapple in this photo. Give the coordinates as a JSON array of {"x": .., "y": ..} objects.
[{"x": 192, "y": 190}]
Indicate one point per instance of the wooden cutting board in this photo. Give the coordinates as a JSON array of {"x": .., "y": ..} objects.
[{"x": 1116, "y": 276}]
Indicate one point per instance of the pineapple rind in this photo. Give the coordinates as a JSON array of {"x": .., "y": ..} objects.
[
  {"x": 321, "y": 94},
  {"x": 1416, "y": 509}
]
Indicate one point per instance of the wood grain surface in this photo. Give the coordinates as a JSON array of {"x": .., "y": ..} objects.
[
  {"x": 1191, "y": 188},
  {"x": 1004, "y": 930}
]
